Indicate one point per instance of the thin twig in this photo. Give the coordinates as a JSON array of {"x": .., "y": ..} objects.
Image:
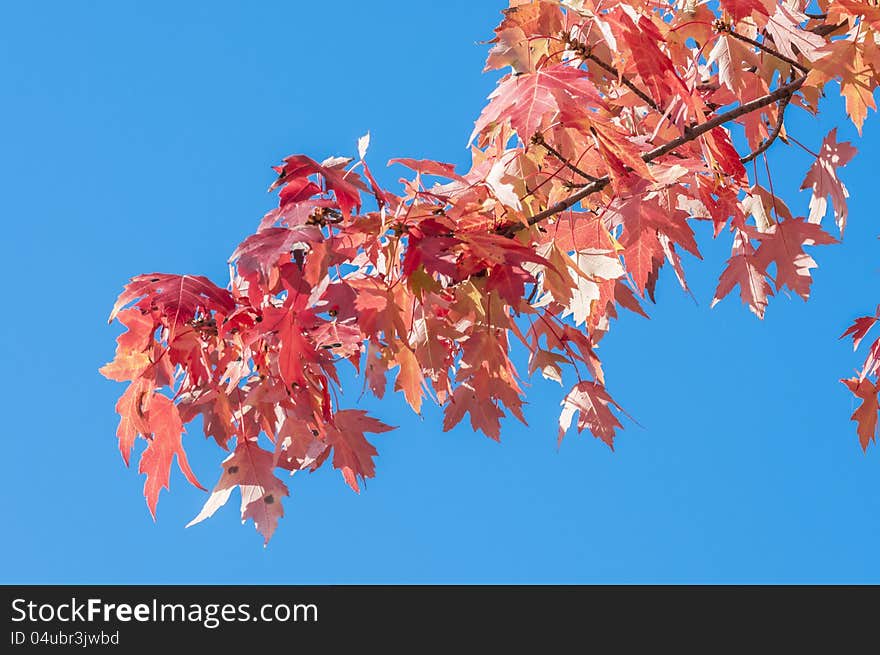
[
  {"x": 538, "y": 139},
  {"x": 585, "y": 52},
  {"x": 721, "y": 26},
  {"x": 780, "y": 117},
  {"x": 625, "y": 81}
]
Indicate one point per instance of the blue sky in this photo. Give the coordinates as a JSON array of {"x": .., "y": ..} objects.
[{"x": 138, "y": 136}]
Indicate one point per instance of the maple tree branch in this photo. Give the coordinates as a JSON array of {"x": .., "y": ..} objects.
[
  {"x": 692, "y": 133},
  {"x": 585, "y": 52},
  {"x": 780, "y": 117},
  {"x": 745, "y": 108},
  {"x": 726, "y": 28},
  {"x": 572, "y": 200},
  {"x": 538, "y": 139},
  {"x": 825, "y": 30},
  {"x": 625, "y": 81}
]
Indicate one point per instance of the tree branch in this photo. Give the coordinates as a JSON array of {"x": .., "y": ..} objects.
[
  {"x": 745, "y": 108},
  {"x": 721, "y": 26},
  {"x": 538, "y": 139},
  {"x": 780, "y": 117},
  {"x": 572, "y": 200},
  {"x": 825, "y": 30},
  {"x": 585, "y": 52},
  {"x": 691, "y": 134}
]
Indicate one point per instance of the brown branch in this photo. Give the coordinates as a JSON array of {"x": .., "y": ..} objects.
[
  {"x": 572, "y": 200},
  {"x": 780, "y": 117},
  {"x": 726, "y": 117},
  {"x": 538, "y": 139},
  {"x": 825, "y": 30},
  {"x": 625, "y": 81},
  {"x": 721, "y": 26},
  {"x": 691, "y": 134},
  {"x": 585, "y": 52}
]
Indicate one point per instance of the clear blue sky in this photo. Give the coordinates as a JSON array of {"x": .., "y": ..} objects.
[{"x": 138, "y": 136}]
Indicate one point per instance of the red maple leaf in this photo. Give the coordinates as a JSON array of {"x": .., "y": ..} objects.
[
  {"x": 345, "y": 185},
  {"x": 783, "y": 244},
  {"x": 643, "y": 222},
  {"x": 179, "y": 298},
  {"x": 860, "y": 327},
  {"x": 250, "y": 469},
  {"x": 739, "y": 9},
  {"x": 841, "y": 9},
  {"x": 644, "y": 43},
  {"x": 132, "y": 346},
  {"x": 352, "y": 453},
  {"x": 853, "y": 61},
  {"x": 528, "y": 101},
  {"x": 591, "y": 402},
  {"x": 132, "y": 408},
  {"x": 297, "y": 354},
  {"x": 216, "y": 411},
  {"x": 784, "y": 27},
  {"x": 747, "y": 272},
  {"x": 822, "y": 179},
  {"x": 163, "y": 444},
  {"x": 485, "y": 414},
  {"x": 866, "y": 413},
  {"x": 262, "y": 251}
]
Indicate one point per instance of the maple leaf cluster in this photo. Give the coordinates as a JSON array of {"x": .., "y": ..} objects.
[{"x": 618, "y": 125}]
